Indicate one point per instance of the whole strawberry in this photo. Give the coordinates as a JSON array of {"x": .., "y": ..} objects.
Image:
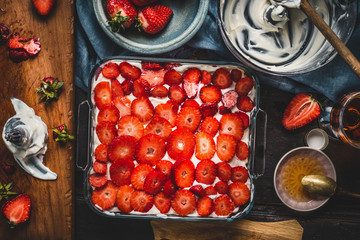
[
  {"x": 43, "y": 7},
  {"x": 122, "y": 14},
  {"x": 143, "y": 2},
  {"x": 49, "y": 89},
  {"x": 153, "y": 19},
  {"x": 4, "y": 32},
  {"x": 60, "y": 134}
]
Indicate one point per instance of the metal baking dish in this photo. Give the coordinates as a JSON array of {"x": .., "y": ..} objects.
[{"x": 89, "y": 114}]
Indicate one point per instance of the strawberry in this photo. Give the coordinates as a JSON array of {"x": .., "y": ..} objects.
[
  {"x": 9, "y": 169},
  {"x": 236, "y": 74},
  {"x": 97, "y": 180},
  {"x": 208, "y": 109},
  {"x": 120, "y": 171},
  {"x": 102, "y": 94},
  {"x": 226, "y": 146},
  {"x": 139, "y": 175},
  {"x": 122, "y": 147},
  {"x": 162, "y": 202},
  {"x": 221, "y": 78},
  {"x": 61, "y": 135},
  {"x": 150, "y": 65},
  {"x": 205, "y": 172},
  {"x": 244, "y": 117},
  {"x": 172, "y": 77},
  {"x": 101, "y": 152},
  {"x": 43, "y": 7},
  {"x": 242, "y": 150},
  {"x": 159, "y": 92},
  {"x": 49, "y": 89},
  {"x": 141, "y": 88},
  {"x": 239, "y": 174},
  {"x": 167, "y": 111},
  {"x": 159, "y": 126},
  {"x": 229, "y": 99},
  {"x": 239, "y": 193},
  {"x": 171, "y": 65},
  {"x": 127, "y": 86},
  {"x": 105, "y": 196},
  {"x": 123, "y": 197},
  {"x": 184, "y": 202},
  {"x": 244, "y": 86},
  {"x": 116, "y": 89},
  {"x": 177, "y": 94},
  {"x": 4, "y": 32},
  {"x": 16, "y": 42},
  {"x": 142, "y": 108},
  {"x": 150, "y": 149},
  {"x": 110, "y": 70},
  {"x": 106, "y": 132},
  {"x": 143, "y": 2},
  {"x": 198, "y": 190},
  {"x": 210, "y": 125},
  {"x": 130, "y": 125},
  {"x": 210, "y": 94},
  {"x": 122, "y": 14},
  {"x": 205, "y": 77},
  {"x": 223, "y": 171},
  {"x": 224, "y": 110},
  {"x": 210, "y": 190},
  {"x": 301, "y": 110},
  {"x": 18, "y": 55},
  {"x": 191, "y": 81},
  {"x": 100, "y": 167},
  {"x": 231, "y": 124},
  {"x": 129, "y": 71},
  {"x": 154, "y": 77},
  {"x": 164, "y": 166},
  {"x": 205, "y": 146},
  {"x": 245, "y": 104},
  {"x": 184, "y": 174},
  {"x": 154, "y": 182},
  {"x": 222, "y": 187},
  {"x": 152, "y": 19},
  {"x": 123, "y": 104},
  {"x": 224, "y": 205},
  {"x": 181, "y": 144},
  {"x": 169, "y": 188},
  {"x": 109, "y": 113},
  {"x": 191, "y": 89},
  {"x": 189, "y": 118},
  {"x": 140, "y": 201},
  {"x": 17, "y": 210},
  {"x": 205, "y": 206},
  {"x": 191, "y": 103}
]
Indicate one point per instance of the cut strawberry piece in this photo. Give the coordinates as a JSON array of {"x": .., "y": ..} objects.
[
  {"x": 210, "y": 94},
  {"x": 205, "y": 77},
  {"x": 97, "y": 180},
  {"x": 33, "y": 46},
  {"x": 15, "y": 41},
  {"x": 130, "y": 125},
  {"x": 120, "y": 171},
  {"x": 239, "y": 193},
  {"x": 210, "y": 125},
  {"x": 172, "y": 77},
  {"x": 226, "y": 146},
  {"x": 129, "y": 71},
  {"x": 239, "y": 174},
  {"x": 164, "y": 166},
  {"x": 159, "y": 126},
  {"x": 198, "y": 190},
  {"x": 105, "y": 196},
  {"x": 110, "y": 70},
  {"x": 231, "y": 124},
  {"x": 101, "y": 152},
  {"x": 175, "y": 104},
  {"x": 177, "y": 94},
  {"x": 210, "y": 190},
  {"x": 159, "y": 92},
  {"x": 191, "y": 103},
  {"x": 222, "y": 187},
  {"x": 205, "y": 206},
  {"x": 189, "y": 118},
  {"x": 205, "y": 146},
  {"x": 223, "y": 205},
  {"x": 150, "y": 65},
  {"x": 181, "y": 144},
  {"x": 205, "y": 172},
  {"x": 106, "y": 132},
  {"x": 223, "y": 171},
  {"x": 236, "y": 75},
  {"x": 123, "y": 197},
  {"x": 123, "y": 104},
  {"x": 244, "y": 117},
  {"x": 154, "y": 77},
  {"x": 222, "y": 78},
  {"x": 245, "y": 104},
  {"x": 171, "y": 65},
  {"x": 122, "y": 14},
  {"x": 224, "y": 110},
  {"x": 142, "y": 108},
  {"x": 192, "y": 75},
  {"x": 242, "y": 150},
  {"x": 116, "y": 89},
  {"x": 184, "y": 202},
  {"x": 184, "y": 174},
  {"x": 162, "y": 202},
  {"x": 191, "y": 89},
  {"x": 244, "y": 86},
  {"x": 141, "y": 201},
  {"x": 167, "y": 111},
  {"x": 141, "y": 88},
  {"x": 102, "y": 94},
  {"x": 301, "y": 110},
  {"x": 18, "y": 209},
  {"x": 109, "y": 113},
  {"x": 208, "y": 109},
  {"x": 150, "y": 149},
  {"x": 154, "y": 182},
  {"x": 100, "y": 167},
  {"x": 229, "y": 99},
  {"x": 169, "y": 188},
  {"x": 139, "y": 175},
  {"x": 122, "y": 147},
  {"x": 152, "y": 19},
  {"x": 127, "y": 87}
]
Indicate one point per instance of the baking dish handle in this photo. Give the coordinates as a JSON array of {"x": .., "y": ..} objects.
[
  {"x": 81, "y": 144},
  {"x": 263, "y": 150}
]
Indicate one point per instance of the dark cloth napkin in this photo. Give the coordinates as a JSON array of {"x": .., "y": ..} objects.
[{"x": 92, "y": 45}]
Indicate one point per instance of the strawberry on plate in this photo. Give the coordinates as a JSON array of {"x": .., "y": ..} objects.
[
  {"x": 102, "y": 94},
  {"x": 17, "y": 210},
  {"x": 164, "y": 166},
  {"x": 205, "y": 172},
  {"x": 209, "y": 125},
  {"x": 184, "y": 202},
  {"x": 108, "y": 112},
  {"x": 154, "y": 77},
  {"x": 120, "y": 171},
  {"x": 110, "y": 70},
  {"x": 239, "y": 174},
  {"x": 231, "y": 124},
  {"x": 159, "y": 92},
  {"x": 153, "y": 19},
  {"x": 130, "y": 125},
  {"x": 105, "y": 196},
  {"x": 224, "y": 205},
  {"x": 123, "y": 197},
  {"x": 159, "y": 126},
  {"x": 122, "y": 147},
  {"x": 189, "y": 118},
  {"x": 302, "y": 109},
  {"x": 167, "y": 111},
  {"x": 245, "y": 104},
  {"x": 141, "y": 201},
  {"x": 221, "y": 78},
  {"x": 223, "y": 171},
  {"x": 129, "y": 71},
  {"x": 184, "y": 173},
  {"x": 43, "y": 7},
  {"x": 142, "y": 108},
  {"x": 205, "y": 146},
  {"x": 239, "y": 193},
  {"x": 181, "y": 144},
  {"x": 116, "y": 89},
  {"x": 150, "y": 149},
  {"x": 244, "y": 86},
  {"x": 97, "y": 180},
  {"x": 177, "y": 94},
  {"x": 139, "y": 175},
  {"x": 162, "y": 202},
  {"x": 210, "y": 93},
  {"x": 101, "y": 152},
  {"x": 242, "y": 150},
  {"x": 143, "y": 2},
  {"x": 205, "y": 206},
  {"x": 106, "y": 132},
  {"x": 122, "y": 14},
  {"x": 172, "y": 77},
  {"x": 226, "y": 146},
  {"x": 154, "y": 182}
]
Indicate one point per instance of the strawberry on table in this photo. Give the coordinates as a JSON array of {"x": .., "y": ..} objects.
[
  {"x": 159, "y": 126},
  {"x": 184, "y": 174},
  {"x": 43, "y": 7},
  {"x": 109, "y": 113},
  {"x": 239, "y": 174},
  {"x": 223, "y": 171},
  {"x": 242, "y": 150},
  {"x": 49, "y": 89},
  {"x": 102, "y": 94},
  {"x": 153, "y": 19},
  {"x": 154, "y": 77},
  {"x": 245, "y": 104},
  {"x": 184, "y": 202},
  {"x": 205, "y": 172},
  {"x": 205, "y": 146},
  {"x": 224, "y": 205},
  {"x": 61, "y": 135},
  {"x": 162, "y": 202},
  {"x": 120, "y": 171},
  {"x": 122, "y": 147},
  {"x": 209, "y": 125},
  {"x": 123, "y": 104},
  {"x": 189, "y": 118},
  {"x": 97, "y": 180},
  {"x": 181, "y": 144},
  {"x": 106, "y": 132},
  {"x": 210, "y": 93},
  {"x": 159, "y": 92},
  {"x": 205, "y": 206},
  {"x": 231, "y": 124},
  {"x": 142, "y": 108},
  {"x": 110, "y": 70},
  {"x": 121, "y": 13},
  {"x": 123, "y": 197},
  {"x": 172, "y": 77},
  {"x": 116, "y": 89},
  {"x": 244, "y": 86},
  {"x": 154, "y": 182},
  {"x": 221, "y": 78},
  {"x": 139, "y": 175},
  {"x": 226, "y": 146},
  {"x": 131, "y": 126},
  {"x": 164, "y": 166},
  {"x": 105, "y": 196},
  {"x": 150, "y": 149},
  {"x": 129, "y": 71},
  {"x": 239, "y": 193},
  {"x": 17, "y": 210},
  {"x": 141, "y": 201},
  {"x": 167, "y": 111}
]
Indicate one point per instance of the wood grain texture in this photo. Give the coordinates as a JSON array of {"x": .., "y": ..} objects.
[{"x": 52, "y": 201}]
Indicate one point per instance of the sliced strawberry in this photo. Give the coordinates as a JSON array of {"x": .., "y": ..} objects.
[
  {"x": 175, "y": 104},
  {"x": 239, "y": 193},
  {"x": 106, "y": 132},
  {"x": 123, "y": 104},
  {"x": 109, "y": 113},
  {"x": 150, "y": 65},
  {"x": 154, "y": 77},
  {"x": 110, "y": 70},
  {"x": 162, "y": 202},
  {"x": 172, "y": 77},
  {"x": 231, "y": 124},
  {"x": 154, "y": 182},
  {"x": 122, "y": 14},
  {"x": 198, "y": 190},
  {"x": 239, "y": 174},
  {"x": 127, "y": 86},
  {"x": 101, "y": 152},
  {"x": 129, "y": 71},
  {"x": 141, "y": 88},
  {"x": 205, "y": 206},
  {"x": 18, "y": 209},
  {"x": 142, "y": 108},
  {"x": 116, "y": 89},
  {"x": 171, "y": 65},
  {"x": 205, "y": 146},
  {"x": 210, "y": 94},
  {"x": 245, "y": 104},
  {"x": 164, "y": 166},
  {"x": 105, "y": 196},
  {"x": 169, "y": 188},
  {"x": 244, "y": 117},
  {"x": 192, "y": 75},
  {"x": 205, "y": 77},
  {"x": 208, "y": 109},
  {"x": 210, "y": 190},
  {"x": 236, "y": 74},
  {"x": 242, "y": 150},
  {"x": 120, "y": 171},
  {"x": 224, "y": 205},
  {"x": 167, "y": 111},
  {"x": 191, "y": 89},
  {"x": 301, "y": 110},
  {"x": 224, "y": 110},
  {"x": 205, "y": 172},
  {"x": 184, "y": 174},
  {"x": 150, "y": 149},
  {"x": 222, "y": 78},
  {"x": 181, "y": 144},
  {"x": 226, "y": 146},
  {"x": 122, "y": 147},
  {"x": 244, "y": 86},
  {"x": 139, "y": 175},
  {"x": 189, "y": 118},
  {"x": 191, "y": 103},
  {"x": 141, "y": 201},
  {"x": 159, "y": 92},
  {"x": 229, "y": 99},
  {"x": 102, "y": 94},
  {"x": 177, "y": 94},
  {"x": 223, "y": 171},
  {"x": 100, "y": 167},
  {"x": 123, "y": 197},
  {"x": 159, "y": 126},
  {"x": 130, "y": 125},
  {"x": 222, "y": 187},
  {"x": 97, "y": 180},
  {"x": 154, "y": 18},
  {"x": 184, "y": 202},
  {"x": 210, "y": 125}
]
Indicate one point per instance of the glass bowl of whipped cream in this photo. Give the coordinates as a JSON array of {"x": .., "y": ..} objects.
[{"x": 283, "y": 41}]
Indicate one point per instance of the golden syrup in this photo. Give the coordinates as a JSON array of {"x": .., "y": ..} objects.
[{"x": 292, "y": 173}]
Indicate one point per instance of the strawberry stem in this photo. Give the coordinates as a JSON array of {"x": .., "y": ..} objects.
[
  {"x": 117, "y": 23},
  {"x": 5, "y": 190}
]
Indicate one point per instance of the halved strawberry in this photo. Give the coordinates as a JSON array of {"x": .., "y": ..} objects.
[
  {"x": 302, "y": 109},
  {"x": 130, "y": 125},
  {"x": 154, "y": 18},
  {"x": 102, "y": 94},
  {"x": 177, "y": 94},
  {"x": 190, "y": 89},
  {"x": 139, "y": 175},
  {"x": 223, "y": 171},
  {"x": 123, "y": 197},
  {"x": 184, "y": 202},
  {"x": 181, "y": 144},
  {"x": 122, "y": 14},
  {"x": 205, "y": 172},
  {"x": 210, "y": 93},
  {"x": 242, "y": 150},
  {"x": 229, "y": 99},
  {"x": 159, "y": 126},
  {"x": 210, "y": 125},
  {"x": 205, "y": 206},
  {"x": 236, "y": 74},
  {"x": 122, "y": 147},
  {"x": 109, "y": 113},
  {"x": 149, "y": 65},
  {"x": 205, "y": 146},
  {"x": 154, "y": 182},
  {"x": 208, "y": 109},
  {"x": 43, "y": 7},
  {"x": 97, "y": 180},
  {"x": 141, "y": 201},
  {"x": 105, "y": 196},
  {"x": 239, "y": 193},
  {"x": 116, "y": 89},
  {"x": 224, "y": 110},
  {"x": 142, "y": 108},
  {"x": 189, "y": 118},
  {"x": 120, "y": 171},
  {"x": 184, "y": 174},
  {"x": 100, "y": 167},
  {"x": 226, "y": 146},
  {"x": 222, "y": 187},
  {"x": 244, "y": 86},
  {"x": 245, "y": 104},
  {"x": 150, "y": 149},
  {"x": 167, "y": 111},
  {"x": 162, "y": 202},
  {"x": 191, "y": 103},
  {"x": 154, "y": 77},
  {"x": 244, "y": 117},
  {"x": 210, "y": 190},
  {"x": 198, "y": 190},
  {"x": 110, "y": 70},
  {"x": 123, "y": 104},
  {"x": 231, "y": 124},
  {"x": 172, "y": 77},
  {"x": 18, "y": 209},
  {"x": 159, "y": 92},
  {"x": 101, "y": 152},
  {"x": 141, "y": 88},
  {"x": 224, "y": 205},
  {"x": 205, "y": 77},
  {"x": 106, "y": 132},
  {"x": 221, "y": 78},
  {"x": 239, "y": 174},
  {"x": 129, "y": 71},
  {"x": 127, "y": 86}
]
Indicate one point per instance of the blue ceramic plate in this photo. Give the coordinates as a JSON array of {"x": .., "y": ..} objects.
[{"x": 188, "y": 16}]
